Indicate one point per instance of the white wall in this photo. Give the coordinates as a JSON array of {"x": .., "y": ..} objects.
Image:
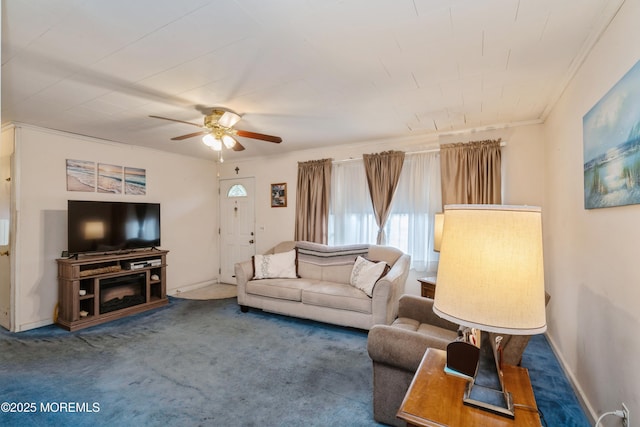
[
  {"x": 591, "y": 255},
  {"x": 185, "y": 187},
  {"x": 523, "y": 167}
]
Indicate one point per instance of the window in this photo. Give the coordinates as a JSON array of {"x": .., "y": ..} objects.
[
  {"x": 410, "y": 223},
  {"x": 351, "y": 218},
  {"x": 237, "y": 190},
  {"x": 418, "y": 198}
]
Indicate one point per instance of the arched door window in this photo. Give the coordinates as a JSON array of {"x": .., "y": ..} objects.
[{"x": 237, "y": 190}]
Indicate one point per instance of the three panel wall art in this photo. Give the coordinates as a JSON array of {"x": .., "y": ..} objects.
[{"x": 89, "y": 176}]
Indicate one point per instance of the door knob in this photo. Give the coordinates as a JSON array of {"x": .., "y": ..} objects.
[
  {"x": 251, "y": 241},
  {"x": 4, "y": 253}
]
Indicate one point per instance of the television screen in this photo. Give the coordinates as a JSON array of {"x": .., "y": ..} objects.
[{"x": 112, "y": 226}]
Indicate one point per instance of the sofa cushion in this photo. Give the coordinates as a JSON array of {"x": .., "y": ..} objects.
[
  {"x": 326, "y": 273},
  {"x": 280, "y": 265},
  {"x": 337, "y": 273},
  {"x": 337, "y": 295},
  {"x": 288, "y": 289},
  {"x": 365, "y": 274}
]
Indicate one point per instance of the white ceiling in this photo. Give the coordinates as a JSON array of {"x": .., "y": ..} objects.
[{"x": 315, "y": 72}]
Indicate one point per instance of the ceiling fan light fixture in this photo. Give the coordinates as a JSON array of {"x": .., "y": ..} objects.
[
  {"x": 218, "y": 130},
  {"x": 229, "y": 141},
  {"x": 208, "y": 140},
  {"x": 228, "y": 119},
  {"x": 213, "y": 142}
]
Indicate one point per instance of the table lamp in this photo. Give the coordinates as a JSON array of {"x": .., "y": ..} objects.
[
  {"x": 438, "y": 226},
  {"x": 491, "y": 277}
]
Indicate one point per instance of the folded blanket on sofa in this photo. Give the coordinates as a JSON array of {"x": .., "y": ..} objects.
[{"x": 319, "y": 254}]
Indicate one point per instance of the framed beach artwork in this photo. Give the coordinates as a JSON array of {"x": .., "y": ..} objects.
[
  {"x": 135, "y": 181},
  {"x": 81, "y": 175},
  {"x": 279, "y": 195},
  {"x": 611, "y": 138},
  {"x": 109, "y": 178}
]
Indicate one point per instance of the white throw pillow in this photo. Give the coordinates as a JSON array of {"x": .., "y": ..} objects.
[
  {"x": 281, "y": 266},
  {"x": 365, "y": 274}
]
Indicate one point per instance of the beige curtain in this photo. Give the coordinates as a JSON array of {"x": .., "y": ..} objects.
[
  {"x": 312, "y": 200},
  {"x": 383, "y": 171},
  {"x": 471, "y": 173}
]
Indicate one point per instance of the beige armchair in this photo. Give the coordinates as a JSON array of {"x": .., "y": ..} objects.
[{"x": 396, "y": 351}]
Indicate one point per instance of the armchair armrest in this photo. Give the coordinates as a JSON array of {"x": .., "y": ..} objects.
[
  {"x": 399, "y": 347},
  {"x": 514, "y": 345}
]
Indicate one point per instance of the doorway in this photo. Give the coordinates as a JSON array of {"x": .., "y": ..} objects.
[
  {"x": 6, "y": 153},
  {"x": 237, "y": 225}
]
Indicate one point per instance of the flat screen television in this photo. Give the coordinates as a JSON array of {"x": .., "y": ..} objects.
[{"x": 96, "y": 226}]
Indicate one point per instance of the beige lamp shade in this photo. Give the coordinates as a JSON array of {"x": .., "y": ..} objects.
[
  {"x": 438, "y": 225},
  {"x": 491, "y": 273}
]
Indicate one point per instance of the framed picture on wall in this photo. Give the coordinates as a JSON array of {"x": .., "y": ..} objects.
[
  {"x": 279, "y": 195},
  {"x": 109, "y": 178},
  {"x": 81, "y": 175},
  {"x": 611, "y": 133}
]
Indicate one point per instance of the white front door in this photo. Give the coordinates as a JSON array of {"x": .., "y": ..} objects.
[{"x": 237, "y": 225}]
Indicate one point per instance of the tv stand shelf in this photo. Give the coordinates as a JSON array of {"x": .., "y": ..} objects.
[{"x": 94, "y": 289}]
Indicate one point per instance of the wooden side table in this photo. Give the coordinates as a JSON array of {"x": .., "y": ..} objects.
[
  {"x": 435, "y": 398},
  {"x": 428, "y": 286}
]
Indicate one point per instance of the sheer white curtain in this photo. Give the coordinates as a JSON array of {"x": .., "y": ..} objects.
[
  {"x": 410, "y": 223},
  {"x": 418, "y": 197},
  {"x": 351, "y": 218}
]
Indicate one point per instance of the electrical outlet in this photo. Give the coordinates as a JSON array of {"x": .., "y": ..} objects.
[{"x": 625, "y": 419}]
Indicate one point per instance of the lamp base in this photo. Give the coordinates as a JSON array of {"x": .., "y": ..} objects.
[
  {"x": 496, "y": 401},
  {"x": 486, "y": 391}
]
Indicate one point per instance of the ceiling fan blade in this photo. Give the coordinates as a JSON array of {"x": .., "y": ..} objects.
[
  {"x": 261, "y": 136},
  {"x": 175, "y": 120},
  {"x": 189, "y": 135},
  {"x": 237, "y": 147}
]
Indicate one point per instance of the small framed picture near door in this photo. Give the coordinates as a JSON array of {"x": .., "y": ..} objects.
[{"x": 279, "y": 195}]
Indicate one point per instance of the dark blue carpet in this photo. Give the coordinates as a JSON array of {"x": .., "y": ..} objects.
[
  {"x": 556, "y": 400},
  {"x": 196, "y": 363}
]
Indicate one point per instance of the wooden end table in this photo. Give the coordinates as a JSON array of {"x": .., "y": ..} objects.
[
  {"x": 435, "y": 398},
  {"x": 428, "y": 286}
]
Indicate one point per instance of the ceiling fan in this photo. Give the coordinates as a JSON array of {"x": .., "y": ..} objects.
[{"x": 218, "y": 131}]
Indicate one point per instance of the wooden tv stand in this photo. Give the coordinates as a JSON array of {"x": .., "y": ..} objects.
[{"x": 110, "y": 288}]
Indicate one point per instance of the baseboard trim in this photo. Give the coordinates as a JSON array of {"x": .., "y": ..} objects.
[
  {"x": 574, "y": 382},
  {"x": 33, "y": 325},
  {"x": 178, "y": 291}
]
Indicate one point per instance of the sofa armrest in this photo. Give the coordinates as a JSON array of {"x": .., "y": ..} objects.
[
  {"x": 399, "y": 347},
  {"x": 388, "y": 289},
  {"x": 421, "y": 309},
  {"x": 244, "y": 273}
]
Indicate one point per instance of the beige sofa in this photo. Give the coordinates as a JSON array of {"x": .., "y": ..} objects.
[{"x": 322, "y": 290}]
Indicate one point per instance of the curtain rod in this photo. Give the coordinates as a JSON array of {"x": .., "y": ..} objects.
[{"x": 408, "y": 153}]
